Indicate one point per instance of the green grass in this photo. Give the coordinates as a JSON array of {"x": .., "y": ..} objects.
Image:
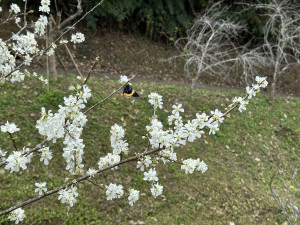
[{"x": 241, "y": 157}]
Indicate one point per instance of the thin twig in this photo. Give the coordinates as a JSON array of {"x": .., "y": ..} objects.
[
  {"x": 13, "y": 141},
  {"x": 109, "y": 95}
]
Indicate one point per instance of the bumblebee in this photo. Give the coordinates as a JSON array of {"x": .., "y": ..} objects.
[
  {"x": 17, "y": 57},
  {"x": 128, "y": 92}
]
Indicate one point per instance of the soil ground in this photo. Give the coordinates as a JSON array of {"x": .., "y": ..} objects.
[{"x": 127, "y": 54}]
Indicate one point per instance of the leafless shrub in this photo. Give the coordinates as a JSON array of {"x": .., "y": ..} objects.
[
  {"x": 210, "y": 48},
  {"x": 281, "y": 36}
]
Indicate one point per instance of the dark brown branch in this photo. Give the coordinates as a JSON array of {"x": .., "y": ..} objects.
[
  {"x": 97, "y": 185},
  {"x": 91, "y": 70},
  {"x": 70, "y": 18},
  {"x": 13, "y": 141}
]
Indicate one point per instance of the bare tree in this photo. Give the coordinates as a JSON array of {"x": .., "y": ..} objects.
[
  {"x": 281, "y": 36},
  {"x": 210, "y": 48}
]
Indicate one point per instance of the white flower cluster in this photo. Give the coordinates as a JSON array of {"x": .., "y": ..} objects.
[
  {"x": 46, "y": 155},
  {"x": 41, "y": 188},
  {"x": 68, "y": 196},
  {"x": 144, "y": 162},
  {"x": 133, "y": 196},
  {"x": 167, "y": 155},
  {"x": 34, "y": 74},
  {"x": 118, "y": 144},
  {"x": 114, "y": 191},
  {"x": 40, "y": 25},
  {"x": 91, "y": 172},
  {"x": 241, "y": 102},
  {"x": 116, "y": 140},
  {"x": 261, "y": 83},
  {"x": 156, "y": 190},
  {"x": 25, "y": 45},
  {"x": 9, "y": 127},
  {"x": 108, "y": 160},
  {"x": 67, "y": 123},
  {"x": 189, "y": 165},
  {"x": 17, "y": 160},
  {"x": 45, "y": 6},
  {"x": 123, "y": 79},
  {"x": 17, "y": 76},
  {"x": 17, "y": 215},
  {"x": 155, "y": 100},
  {"x": 7, "y": 61},
  {"x": 151, "y": 175},
  {"x": 2, "y": 155},
  {"x": 15, "y": 8},
  {"x": 77, "y": 38}
]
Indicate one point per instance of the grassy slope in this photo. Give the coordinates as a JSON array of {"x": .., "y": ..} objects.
[{"x": 241, "y": 158}]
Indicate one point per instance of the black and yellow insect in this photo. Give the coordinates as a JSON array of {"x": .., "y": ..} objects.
[
  {"x": 128, "y": 92},
  {"x": 14, "y": 54}
]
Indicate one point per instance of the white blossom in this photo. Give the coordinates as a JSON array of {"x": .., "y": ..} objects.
[
  {"x": 17, "y": 160},
  {"x": 77, "y": 38},
  {"x": 9, "y": 127},
  {"x": 124, "y": 79},
  {"x": 114, "y": 191},
  {"x": 17, "y": 215},
  {"x": 40, "y": 25},
  {"x": 217, "y": 115},
  {"x": 201, "y": 166},
  {"x": 156, "y": 190},
  {"x": 15, "y": 8},
  {"x": 213, "y": 128},
  {"x": 46, "y": 155},
  {"x": 68, "y": 196},
  {"x": 45, "y": 6},
  {"x": 108, "y": 160},
  {"x": 91, "y": 172},
  {"x": 144, "y": 162},
  {"x": 150, "y": 175},
  {"x": 41, "y": 188},
  {"x": 177, "y": 109},
  {"x": 155, "y": 100},
  {"x": 133, "y": 196}
]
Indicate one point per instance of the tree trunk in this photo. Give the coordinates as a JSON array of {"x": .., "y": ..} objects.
[
  {"x": 52, "y": 60},
  {"x": 52, "y": 67},
  {"x": 192, "y": 86},
  {"x": 273, "y": 89}
]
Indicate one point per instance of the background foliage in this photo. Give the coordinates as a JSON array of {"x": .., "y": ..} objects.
[{"x": 157, "y": 19}]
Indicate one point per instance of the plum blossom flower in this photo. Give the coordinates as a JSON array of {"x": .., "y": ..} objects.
[
  {"x": 68, "y": 196},
  {"x": 155, "y": 100},
  {"x": 46, "y": 155},
  {"x": 9, "y": 127},
  {"x": 41, "y": 188},
  {"x": 156, "y": 190},
  {"x": 150, "y": 175},
  {"x": 124, "y": 79},
  {"x": 77, "y": 38},
  {"x": 133, "y": 196},
  {"x": 15, "y": 8},
  {"x": 91, "y": 172},
  {"x": 114, "y": 191},
  {"x": 17, "y": 215}
]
